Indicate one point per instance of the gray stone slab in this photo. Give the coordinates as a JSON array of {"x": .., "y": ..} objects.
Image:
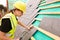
[
  {"x": 29, "y": 34},
  {"x": 24, "y": 34},
  {"x": 19, "y": 31},
  {"x": 51, "y": 24},
  {"x": 32, "y": 5}
]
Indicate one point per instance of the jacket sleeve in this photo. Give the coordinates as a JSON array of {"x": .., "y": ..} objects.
[{"x": 5, "y": 25}]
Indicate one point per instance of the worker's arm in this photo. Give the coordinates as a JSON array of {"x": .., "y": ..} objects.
[
  {"x": 20, "y": 23},
  {"x": 5, "y": 28},
  {"x": 3, "y": 37}
]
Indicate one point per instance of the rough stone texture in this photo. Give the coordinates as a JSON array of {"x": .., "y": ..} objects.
[{"x": 51, "y": 24}]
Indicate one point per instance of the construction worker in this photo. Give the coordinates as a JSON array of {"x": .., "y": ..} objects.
[{"x": 9, "y": 21}]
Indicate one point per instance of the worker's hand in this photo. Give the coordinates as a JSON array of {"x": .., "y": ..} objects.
[{"x": 30, "y": 27}]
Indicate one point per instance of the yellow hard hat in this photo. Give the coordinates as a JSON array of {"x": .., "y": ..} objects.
[{"x": 20, "y": 5}]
